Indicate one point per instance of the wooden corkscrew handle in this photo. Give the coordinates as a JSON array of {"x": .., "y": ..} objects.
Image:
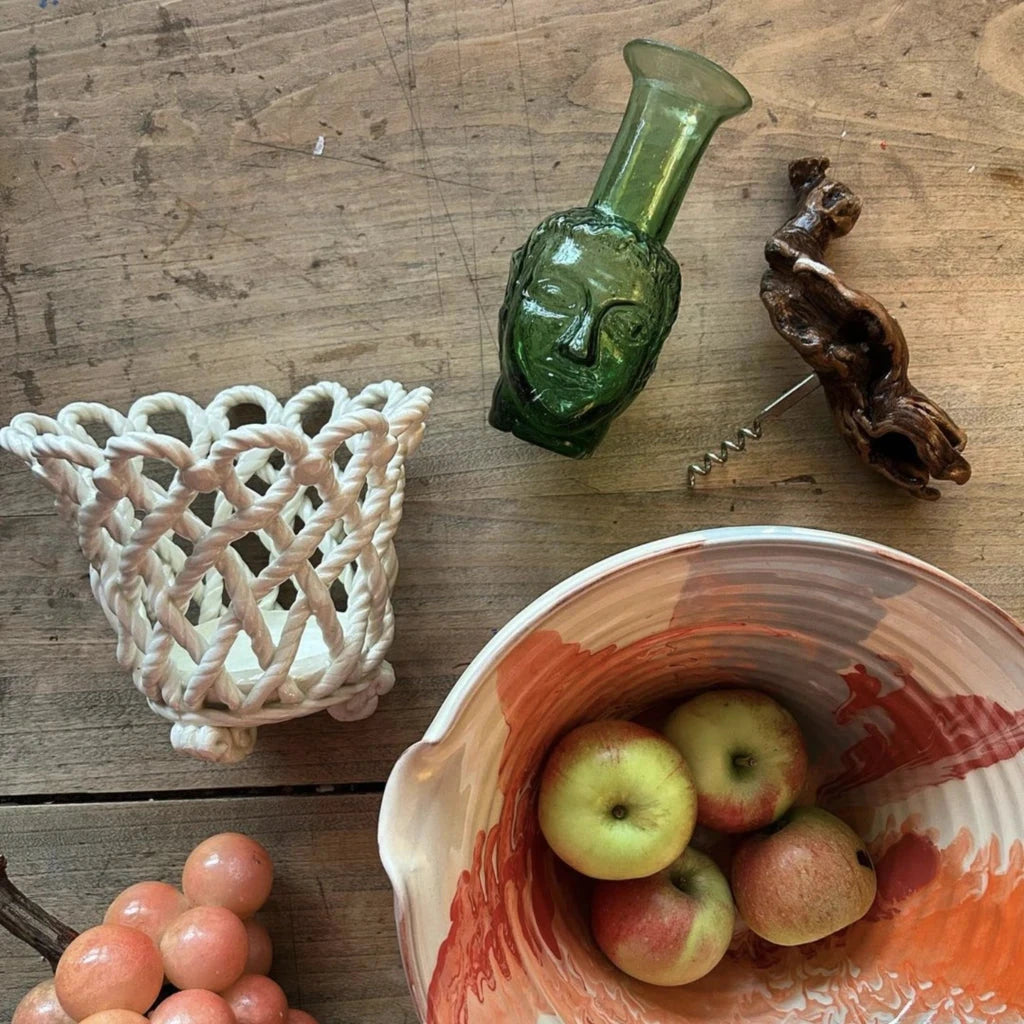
[{"x": 855, "y": 347}]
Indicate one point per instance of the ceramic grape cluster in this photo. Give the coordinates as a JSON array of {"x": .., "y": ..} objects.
[{"x": 164, "y": 955}]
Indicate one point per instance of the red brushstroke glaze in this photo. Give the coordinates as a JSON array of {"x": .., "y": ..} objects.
[
  {"x": 956, "y": 933},
  {"x": 494, "y": 900},
  {"x": 504, "y": 904},
  {"x": 949, "y": 736},
  {"x": 519, "y": 943}
]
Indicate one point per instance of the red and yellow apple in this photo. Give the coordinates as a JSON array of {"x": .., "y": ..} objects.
[
  {"x": 616, "y": 800},
  {"x": 746, "y": 754},
  {"x": 670, "y": 928},
  {"x": 802, "y": 878}
]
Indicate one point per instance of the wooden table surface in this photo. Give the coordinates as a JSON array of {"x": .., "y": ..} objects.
[{"x": 165, "y": 224}]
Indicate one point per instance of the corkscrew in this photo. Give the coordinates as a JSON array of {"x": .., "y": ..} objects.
[
  {"x": 854, "y": 345},
  {"x": 753, "y": 431}
]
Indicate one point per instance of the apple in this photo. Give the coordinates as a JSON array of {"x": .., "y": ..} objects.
[
  {"x": 616, "y": 800},
  {"x": 802, "y": 878},
  {"x": 670, "y": 928},
  {"x": 746, "y": 753}
]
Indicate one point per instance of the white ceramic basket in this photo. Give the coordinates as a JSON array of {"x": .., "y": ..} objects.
[{"x": 248, "y": 570}]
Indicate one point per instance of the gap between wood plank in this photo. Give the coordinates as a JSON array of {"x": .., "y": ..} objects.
[{"x": 210, "y": 793}]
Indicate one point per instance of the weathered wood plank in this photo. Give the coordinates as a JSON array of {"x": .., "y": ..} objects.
[
  {"x": 330, "y": 914},
  {"x": 166, "y": 225}
]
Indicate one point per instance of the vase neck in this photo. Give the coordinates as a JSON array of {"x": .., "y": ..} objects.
[{"x": 677, "y": 101}]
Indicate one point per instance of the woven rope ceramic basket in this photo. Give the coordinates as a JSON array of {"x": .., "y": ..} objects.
[{"x": 247, "y": 570}]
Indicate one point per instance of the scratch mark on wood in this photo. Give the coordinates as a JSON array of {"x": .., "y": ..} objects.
[
  {"x": 31, "y": 114},
  {"x": 296, "y": 959},
  {"x": 142, "y": 175},
  {"x": 289, "y": 371},
  {"x": 46, "y": 187},
  {"x": 6, "y": 280},
  {"x": 1007, "y": 176},
  {"x": 367, "y": 161},
  {"x": 190, "y": 217},
  {"x": 481, "y": 320},
  {"x": 408, "y": 44},
  {"x": 433, "y": 175},
  {"x": 171, "y": 35},
  {"x": 394, "y": 63},
  {"x": 526, "y": 108},
  {"x": 29, "y": 387},
  {"x": 259, "y": 246},
  {"x": 418, "y": 124},
  {"x": 247, "y": 112},
  {"x": 418, "y": 129},
  {"x": 208, "y": 287},
  {"x": 50, "y": 319},
  {"x": 888, "y": 17},
  {"x": 342, "y": 352}
]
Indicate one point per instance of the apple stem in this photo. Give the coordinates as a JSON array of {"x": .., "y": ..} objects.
[
  {"x": 681, "y": 882},
  {"x": 744, "y": 760},
  {"x": 619, "y": 812},
  {"x": 26, "y": 920}
]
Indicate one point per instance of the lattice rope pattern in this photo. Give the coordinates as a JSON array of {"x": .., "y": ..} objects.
[{"x": 212, "y": 640}]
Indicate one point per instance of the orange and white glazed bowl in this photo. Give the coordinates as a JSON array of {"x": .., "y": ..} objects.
[{"x": 910, "y": 689}]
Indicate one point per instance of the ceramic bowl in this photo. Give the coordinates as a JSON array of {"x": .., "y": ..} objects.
[{"x": 910, "y": 689}]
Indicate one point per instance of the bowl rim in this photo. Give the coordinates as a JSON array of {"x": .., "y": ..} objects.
[
  {"x": 445, "y": 719},
  {"x": 725, "y": 536}
]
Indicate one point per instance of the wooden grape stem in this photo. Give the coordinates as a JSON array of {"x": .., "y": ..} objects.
[{"x": 26, "y": 920}]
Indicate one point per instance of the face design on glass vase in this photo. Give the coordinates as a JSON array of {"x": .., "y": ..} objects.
[{"x": 589, "y": 302}]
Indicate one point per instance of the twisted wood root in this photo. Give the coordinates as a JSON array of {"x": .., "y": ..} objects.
[{"x": 854, "y": 344}]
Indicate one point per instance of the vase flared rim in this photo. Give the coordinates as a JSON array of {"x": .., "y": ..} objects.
[{"x": 687, "y": 74}]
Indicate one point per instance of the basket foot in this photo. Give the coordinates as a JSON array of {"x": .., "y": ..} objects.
[
  {"x": 364, "y": 703},
  {"x": 213, "y": 742}
]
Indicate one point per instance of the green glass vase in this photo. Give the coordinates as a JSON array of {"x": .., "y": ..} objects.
[{"x": 593, "y": 292}]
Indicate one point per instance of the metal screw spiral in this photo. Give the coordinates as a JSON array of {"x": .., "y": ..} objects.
[
  {"x": 711, "y": 459},
  {"x": 753, "y": 432}
]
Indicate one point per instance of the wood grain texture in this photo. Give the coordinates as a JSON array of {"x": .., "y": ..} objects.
[
  {"x": 330, "y": 914},
  {"x": 165, "y": 225}
]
